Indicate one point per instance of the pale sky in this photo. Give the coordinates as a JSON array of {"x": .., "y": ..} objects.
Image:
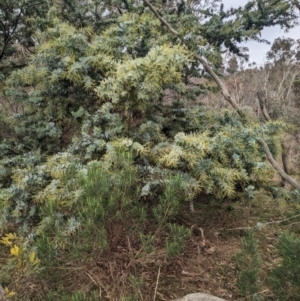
[{"x": 258, "y": 51}]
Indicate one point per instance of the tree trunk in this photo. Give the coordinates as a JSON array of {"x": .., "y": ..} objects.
[{"x": 262, "y": 98}]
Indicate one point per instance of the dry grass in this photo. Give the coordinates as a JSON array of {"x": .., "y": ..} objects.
[{"x": 207, "y": 264}]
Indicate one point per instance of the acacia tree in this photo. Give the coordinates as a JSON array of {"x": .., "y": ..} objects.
[
  {"x": 125, "y": 67},
  {"x": 94, "y": 114}
]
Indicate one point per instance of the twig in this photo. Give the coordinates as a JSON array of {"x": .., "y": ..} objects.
[
  {"x": 157, "y": 280},
  {"x": 95, "y": 282},
  {"x": 240, "y": 228},
  {"x": 92, "y": 278},
  {"x": 284, "y": 220},
  {"x": 295, "y": 223},
  {"x": 264, "y": 224}
]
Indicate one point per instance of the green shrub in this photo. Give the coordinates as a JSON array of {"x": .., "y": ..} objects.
[
  {"x": 285, "y": 277},
  {"x": 248, "y": 263}
]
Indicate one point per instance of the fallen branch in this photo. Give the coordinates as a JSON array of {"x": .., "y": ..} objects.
[
  {"x": 156, "y": 285},
  {"x": 276, "y": 165},
  {"x": 226, "y": 95},
  {"x": 261, "y": 95},
  {"x": 264, "y": 224}
]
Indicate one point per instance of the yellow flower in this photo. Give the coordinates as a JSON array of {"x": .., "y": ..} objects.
[
  {"x": 8, "y": 293},
  {"x": 7, "y": 239},
  {"x": 15, "y": 250},
  {"x": 32, "y": 259}
]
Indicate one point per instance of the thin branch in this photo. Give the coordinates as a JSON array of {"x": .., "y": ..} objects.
[
  {"x": 281, "y": 89},
  {"x": 291, "y": 84},
  {"x": 261, "y": 95},
  {"x": 247, "y": 297},
  {"x": 287, "y": 219},
  {"x": 27, "y": 48},
  {"x": 216, "y": 78},
  {"x": 162, "y": 20},
  {"x": 156, "y": 285},
  {"x": 3, "y": 25},
  {"x": 264, "y": 224},
  {"x": 292, "y": 224},
  {"x": 227, "y": 96},
  {"x": 9, "y": 36}
]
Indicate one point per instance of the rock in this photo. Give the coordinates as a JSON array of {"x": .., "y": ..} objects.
[{"x": 199, "y": 297}]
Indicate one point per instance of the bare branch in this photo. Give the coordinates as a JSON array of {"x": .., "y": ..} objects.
[
  {"x": 276, "y": 165},
  {"x": 261, "y": 95},
  {"x": 264, "y": 224},
  {"x": 162, "y": 20},
  {"x": 9, "y": 36}
]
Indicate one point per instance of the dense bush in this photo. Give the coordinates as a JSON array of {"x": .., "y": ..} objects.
[{"x": 106, "y": 135}]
